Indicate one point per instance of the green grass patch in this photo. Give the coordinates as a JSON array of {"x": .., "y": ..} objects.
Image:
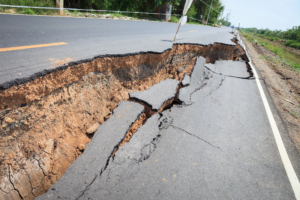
[
  {"x": 28, "y": 11},
  {"x": 174, "y": 19},
  {"x": 277, "y": 50},
  {"x": 38, "y": 3},
  {"x": 292, "y": 43},
  {"x": 295, "y": 114}
]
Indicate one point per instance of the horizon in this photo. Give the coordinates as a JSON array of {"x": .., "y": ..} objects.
[{"x": 263, "y": 14}]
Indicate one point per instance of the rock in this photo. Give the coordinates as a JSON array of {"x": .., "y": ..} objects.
[
  {"x": 93, "y": 128},
  {"x": 81, "y": 147},
  {"x": 93, "y": 15},
  {"x": 186, "y": 80},
  {"x": 180, "y": 69},
  {"x": 108, "y": 16},
  {"x": 8, "y": 120}
]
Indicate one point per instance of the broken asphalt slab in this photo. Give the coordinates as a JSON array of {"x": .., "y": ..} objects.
[
  {"x": 126, "y": 163},
  {"x": 229, "y": 68},
  {"x": 174, "y": 157},
  {"x": 157, "y": 95},
  {"x": 95, "y": 157},
  {"x": 198, "y": 75},
  {"x": 206, "y": 159},
  {"x": 186, "y": 80}
]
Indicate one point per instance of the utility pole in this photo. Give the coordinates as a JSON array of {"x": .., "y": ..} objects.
[
  {"x": 60, "y": 5},
  {"x": 209, "y": 11}
]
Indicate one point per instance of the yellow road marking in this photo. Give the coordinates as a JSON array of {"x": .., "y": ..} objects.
[
  {"x": 193, "y": 31},
  {"x": 31, "y": 46}
]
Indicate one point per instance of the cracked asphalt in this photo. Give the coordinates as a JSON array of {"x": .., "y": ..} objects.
[
  {"x": 218, "y": 144},
  {"x": 87, "y": 38}
]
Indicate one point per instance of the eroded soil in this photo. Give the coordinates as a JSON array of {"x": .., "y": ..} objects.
[{"x": 46, "y": 123}]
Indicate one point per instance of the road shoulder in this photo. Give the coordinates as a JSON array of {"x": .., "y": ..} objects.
[{"x": 278, "y": 92}]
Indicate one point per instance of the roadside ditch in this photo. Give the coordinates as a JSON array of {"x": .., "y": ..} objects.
[{"x": 47, "y": 120}]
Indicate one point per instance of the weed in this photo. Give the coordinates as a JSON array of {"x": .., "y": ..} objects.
[
  {"x": 174, "y": 19},
  {"x": 294, "y": 114},
  {"x": 262, "y": 57},
  {"x": 43, "y": 3},
  {"x": 28, "y": 11},
  {"x": 277, "y": 50}
]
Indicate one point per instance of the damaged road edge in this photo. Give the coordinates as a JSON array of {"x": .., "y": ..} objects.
[{"x": 115, "y": 79}]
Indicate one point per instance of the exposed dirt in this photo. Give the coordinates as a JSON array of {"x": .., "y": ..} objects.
[
  {"x": 46, "y": 123},
  {"x": 283, "y": 84},
  {"x": 136, "y": 125}
]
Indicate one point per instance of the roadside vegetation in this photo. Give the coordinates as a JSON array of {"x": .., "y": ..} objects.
[
  {"x": 197, "y": 13},
  {"x": 284, "y": 57},
  {"x": 28, "y": 11},
  {"x": 290, "y": 37}
]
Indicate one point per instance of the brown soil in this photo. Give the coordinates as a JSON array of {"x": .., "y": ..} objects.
[
  {"x": 136, "y": 125},
  {"x": 44, "y": 123},
  {"x": 283, "y": 84}
]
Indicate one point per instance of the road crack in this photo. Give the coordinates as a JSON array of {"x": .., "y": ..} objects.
[
  {"x": 9, "y": 175},
  {"x": 195, "y": 136},
  {"x": 244, "y": 78}
]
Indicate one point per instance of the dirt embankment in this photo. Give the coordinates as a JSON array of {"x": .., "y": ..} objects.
[
  {"x": 283, "y": 83},
  {"x": 46, "y": 123}
]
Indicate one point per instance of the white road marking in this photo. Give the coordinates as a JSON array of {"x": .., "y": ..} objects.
[{"x": 282, "y": 151}]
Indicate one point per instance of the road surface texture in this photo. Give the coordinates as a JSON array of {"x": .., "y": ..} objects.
[
  {"x": 215, "y": 146},
  {"x": 214, "y": 140},
  {"x": 87, "y": 38}
]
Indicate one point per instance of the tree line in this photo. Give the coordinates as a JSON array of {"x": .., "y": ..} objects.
[{"x": 198, "y": 10}]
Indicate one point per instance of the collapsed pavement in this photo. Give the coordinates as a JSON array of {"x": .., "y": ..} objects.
[
  {"x": 174, "y": 157},
  {"x": 48, "y": 119}
]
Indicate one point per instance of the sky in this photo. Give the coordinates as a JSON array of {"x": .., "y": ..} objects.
[{"x": 271, "y": 14}]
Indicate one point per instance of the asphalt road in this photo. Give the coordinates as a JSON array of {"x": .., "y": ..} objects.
[
  {"x": 218, "y": 145},
  {"x": 87, "y": 38}
]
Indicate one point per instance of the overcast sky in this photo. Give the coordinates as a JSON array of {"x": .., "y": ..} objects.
[{"x": 272, "y": 14}]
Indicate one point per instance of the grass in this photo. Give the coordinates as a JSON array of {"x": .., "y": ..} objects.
[
  {"x": 117, "y": 15},
  {"x": 174, "y": 19},
  {"x": 277, "y": 50},
  {"x": 291, "y": 43},
  {"x": 193, "y": 22},
  {"x": 294, "y": 114},
  {"x": 38, "y": 3},
  {"x": 28, "y": 11}
]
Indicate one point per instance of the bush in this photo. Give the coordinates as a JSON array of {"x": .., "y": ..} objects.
[
  {"x": 288, "y": 42},
  {"x": 28, "y": 11},
  {"x": 174, "y": 19},
  {"x": 295, "y": 45},
  {"x": 274, "y": 38}
]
